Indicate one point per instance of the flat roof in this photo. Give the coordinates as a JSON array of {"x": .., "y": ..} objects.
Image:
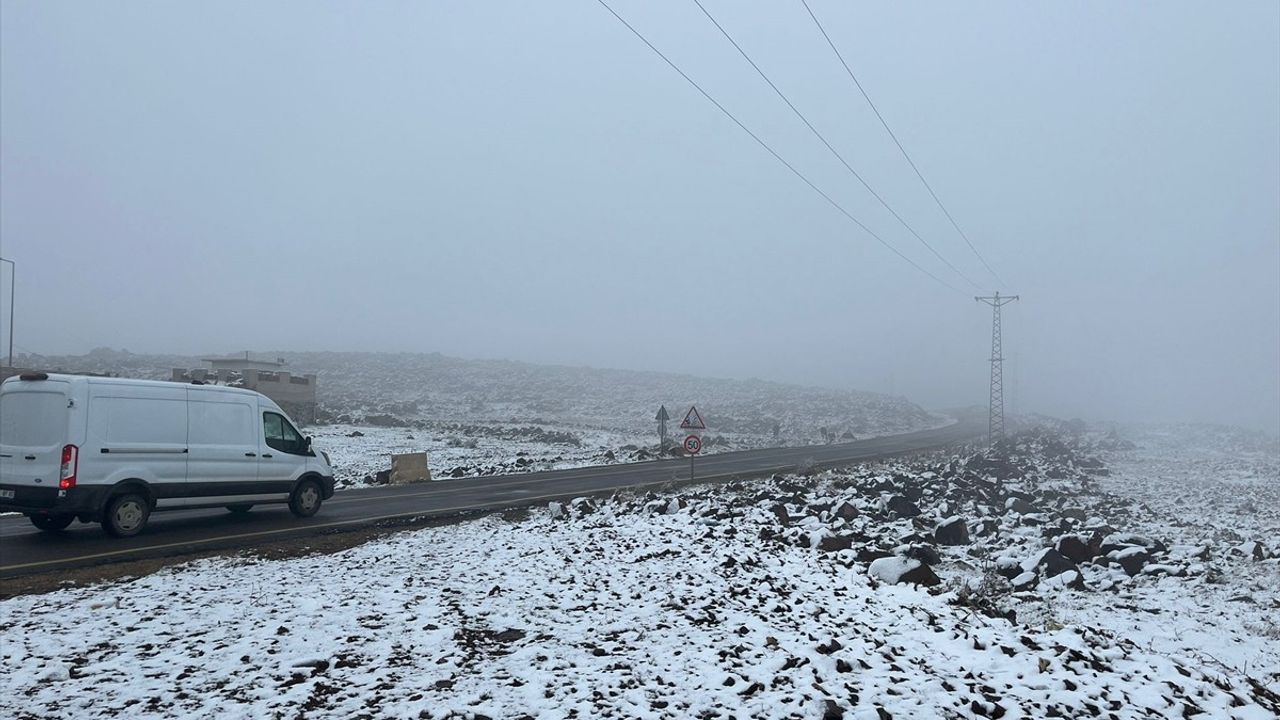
[{"x": 247, "y": 361}]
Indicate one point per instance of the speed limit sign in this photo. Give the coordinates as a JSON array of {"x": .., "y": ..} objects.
[{"x": 693, "y": 444}]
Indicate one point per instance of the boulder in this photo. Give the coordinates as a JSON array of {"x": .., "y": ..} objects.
[
  {"x": 845, "y": 511},
  {"x": 870, "y": 555},
  {"x": 952, "y": 531},
  {"x": 1131, "y": 558},
  {"x": 926, "y": 554},
  {"x": 895, "y": 570},
  {"x": 1076, "y": 549},
  {"x": 1020, "y": 506},
  {"x": 1120, "y": 541},
  {"x": 902, "y": 507},
  {"x": 835, "y": 543},
  {"x": 1049, "y": 563}
]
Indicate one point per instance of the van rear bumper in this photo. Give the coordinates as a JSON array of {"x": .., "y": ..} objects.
[{"x": 81, "y": 500}]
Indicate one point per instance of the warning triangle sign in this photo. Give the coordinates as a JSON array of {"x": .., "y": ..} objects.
[{"x": 692, "y": 420}]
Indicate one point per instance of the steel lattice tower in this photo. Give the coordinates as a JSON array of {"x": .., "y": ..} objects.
[{"x": 995, "y": 420}]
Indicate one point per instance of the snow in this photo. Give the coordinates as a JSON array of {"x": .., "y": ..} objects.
[{"x": 706, "y": 603}]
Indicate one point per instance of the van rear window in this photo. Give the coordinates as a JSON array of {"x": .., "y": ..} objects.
[{"x": 33, "y": 419}]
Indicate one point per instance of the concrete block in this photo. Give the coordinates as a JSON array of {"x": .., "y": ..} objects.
[{"x": 409, "y": 468}]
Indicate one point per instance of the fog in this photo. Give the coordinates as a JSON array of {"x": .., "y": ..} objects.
[{"x": 529, "y": 181}]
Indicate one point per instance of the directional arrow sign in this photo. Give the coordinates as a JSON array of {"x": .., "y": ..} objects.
[
  {"x": 692, "y": 420},
  {"x": 662, "y": 414}
]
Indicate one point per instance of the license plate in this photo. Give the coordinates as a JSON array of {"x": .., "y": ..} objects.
[{"x": 6, "y": 494}]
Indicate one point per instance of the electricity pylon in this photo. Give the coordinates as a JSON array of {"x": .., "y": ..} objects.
[{"x": 995, "y": 418}]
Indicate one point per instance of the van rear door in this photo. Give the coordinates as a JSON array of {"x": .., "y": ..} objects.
[{"x": 34, "y": 427}]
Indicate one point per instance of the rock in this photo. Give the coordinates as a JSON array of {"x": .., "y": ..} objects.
[
  {"x": 831, "y": 711},
  {"x": 1071, "y": 579},
  {"x": 835, "y": 543},
  {"x": 1020, "y": 506},
  {"x": 780, "y": 511},
  {"x": 1076, "y": 549},
  {"x": 845, "y": 511},
  {"x": 870, "y": 555},
  {"x": 922, "y": 575},
  {"x": 895, "y": 570},
  {"x": 355, "y": 433},
  {"x": 1251, "y": 549},
  {"x": 830, "y": 646},
  {"x": 926, "y": 554},
  {"x": 952, "y": 531},
  {"x": 1132, "y": 558},
  {"x": 1118, "y": 541},
  {"x": 610, "y": 456},
  {"x": 1049, "y": 563},
  {"x": 902, "y": 507},
  {"x": 1008, "y": 567}
]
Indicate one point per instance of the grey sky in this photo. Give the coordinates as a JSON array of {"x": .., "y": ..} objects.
[{"x": 526, "y": 180}]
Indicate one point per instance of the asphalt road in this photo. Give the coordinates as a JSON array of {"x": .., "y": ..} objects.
[{"x": 24, "y": 550}]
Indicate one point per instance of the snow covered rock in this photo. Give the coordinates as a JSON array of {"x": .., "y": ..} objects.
[
  {"x": 952, "y": 531},
  {"x": 894, "y": 570},
  {"x": 902, "y": 507},
  {"x": 1020, "y": 506},
  {"x": 1048, "y": 563},
  {"x": 1251, "y": 549},
  {"x": 1132, "y": 558},
  {"x": 835, "y": 543},
  {"x": 845, "y": 511},
  {"x": 1076, "y": 549}
]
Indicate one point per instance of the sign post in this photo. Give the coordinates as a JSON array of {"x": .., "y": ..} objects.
[
  {"x": 692, "y": 443},
  {"x": 662, "y": 419}
]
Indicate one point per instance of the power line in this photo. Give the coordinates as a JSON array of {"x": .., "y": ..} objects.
[
  {"x": 771, "y": 151},
  {"x": 822, "y": 138},
  {"x": 903, "y": 150}
]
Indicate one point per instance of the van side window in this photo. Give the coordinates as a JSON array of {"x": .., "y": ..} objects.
[{"x": 281, "y": 436}]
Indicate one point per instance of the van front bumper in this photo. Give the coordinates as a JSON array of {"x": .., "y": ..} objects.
[{"x": 30, "y": 500}]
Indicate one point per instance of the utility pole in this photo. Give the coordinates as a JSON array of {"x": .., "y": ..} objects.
[
  {"x": 13, "y": 279},
  {"x": 995, "y": 418}
]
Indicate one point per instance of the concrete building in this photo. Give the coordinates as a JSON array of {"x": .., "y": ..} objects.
[{"x": 295, "y": 394}]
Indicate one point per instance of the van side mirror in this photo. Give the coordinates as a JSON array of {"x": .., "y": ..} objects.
[{"x": 306, "y": 442}]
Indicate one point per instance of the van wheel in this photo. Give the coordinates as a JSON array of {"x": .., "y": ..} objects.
[
  {"x": 240, "y": 509},
  {"x": 126, "y": 515},
  {"x": 306, "y": 498},
  {"x": 52, "y": 523}
]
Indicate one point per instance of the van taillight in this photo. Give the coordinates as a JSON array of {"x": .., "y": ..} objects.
[{"x": 70, "y": 464}]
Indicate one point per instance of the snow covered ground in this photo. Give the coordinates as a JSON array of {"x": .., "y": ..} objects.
[{"x": 762, "y": 600}]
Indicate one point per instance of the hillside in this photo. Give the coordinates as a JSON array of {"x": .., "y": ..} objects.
[{"x": 433, "y": 390}]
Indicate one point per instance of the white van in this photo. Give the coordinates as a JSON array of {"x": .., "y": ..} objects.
[{"x": 112, "y": 450}]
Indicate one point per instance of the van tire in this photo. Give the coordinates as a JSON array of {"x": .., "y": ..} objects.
[
  {"x": 126, "y": 515},
  {"x": 52, "y": 523},
  {"x": 306, "y": 498},
  {"x": 240, "y": 509}
]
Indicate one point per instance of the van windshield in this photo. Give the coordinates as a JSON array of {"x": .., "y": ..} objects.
[{"x": 33, "y": 419}]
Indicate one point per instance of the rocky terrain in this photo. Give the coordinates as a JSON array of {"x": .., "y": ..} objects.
[{"x": 1034, "y": 580}]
